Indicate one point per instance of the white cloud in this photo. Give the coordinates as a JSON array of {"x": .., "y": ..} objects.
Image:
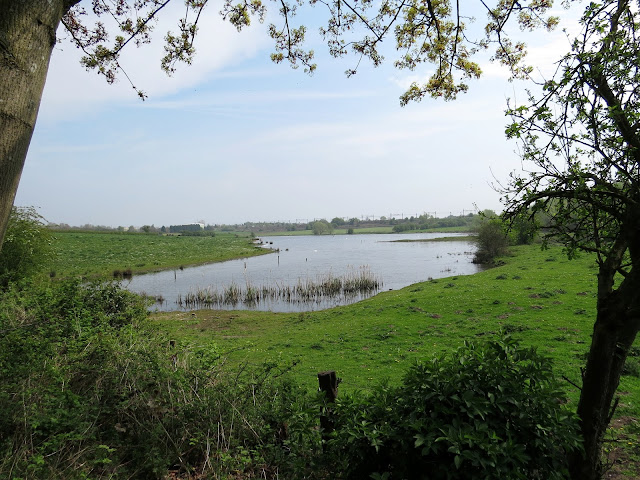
[
  {"x": 259, "y": 142},
  {"x": 255, "y": 99},
  {"x": 71, "y": 91},
  {"x": 404, "y": 81}
]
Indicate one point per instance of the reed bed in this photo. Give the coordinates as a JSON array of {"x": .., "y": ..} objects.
[{"x": 305, "y": 290}]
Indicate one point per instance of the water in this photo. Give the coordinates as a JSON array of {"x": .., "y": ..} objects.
[{"x": 308, "y": 258}]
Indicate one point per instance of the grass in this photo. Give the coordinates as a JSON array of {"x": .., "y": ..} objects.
[
  {"x": 540, "y": 297},
  {"x": 92, "y": 254}
]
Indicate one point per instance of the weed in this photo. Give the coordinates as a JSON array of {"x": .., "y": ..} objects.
[
  {"x": 510, "y": 328},
  {"x": 631, "y": 367}
]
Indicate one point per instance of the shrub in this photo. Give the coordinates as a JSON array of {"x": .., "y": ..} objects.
[
  {"x": 27, "y": 246},
  {"x": 491, "y": 241},
  {"x": 404, "y": 227},
  {"x": 91, "y": 390},
  {"x": 523, "y": 230},
  {"x": 488, "y": 411},
  {"x": 322, "y": 227}
]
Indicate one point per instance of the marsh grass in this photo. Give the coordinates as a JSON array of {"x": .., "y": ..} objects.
[{"x": 306, "y": 290}]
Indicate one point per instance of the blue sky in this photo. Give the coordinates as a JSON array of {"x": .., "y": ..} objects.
[{"x": 235, "y": 138}]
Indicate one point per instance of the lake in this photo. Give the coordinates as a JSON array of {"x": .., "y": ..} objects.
[{"x": 312, "y": 258}]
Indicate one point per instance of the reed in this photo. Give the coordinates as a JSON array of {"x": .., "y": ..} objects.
[{"x": 305, "y": 290}]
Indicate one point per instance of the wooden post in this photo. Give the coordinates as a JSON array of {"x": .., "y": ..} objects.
[{"x": 329, "y": 385}]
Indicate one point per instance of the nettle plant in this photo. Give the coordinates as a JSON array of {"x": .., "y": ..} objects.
[{"x": 491, "y": 410}]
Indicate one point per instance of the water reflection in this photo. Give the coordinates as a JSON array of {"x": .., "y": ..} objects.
[{"x": 305, "y": 259}]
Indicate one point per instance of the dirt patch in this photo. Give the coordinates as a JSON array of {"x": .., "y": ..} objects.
[{"x": 622, "y": 450}]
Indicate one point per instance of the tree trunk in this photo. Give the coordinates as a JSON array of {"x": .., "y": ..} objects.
[
  {"x": 616, "y": 327},
  {"x": 27, "y": 36}
]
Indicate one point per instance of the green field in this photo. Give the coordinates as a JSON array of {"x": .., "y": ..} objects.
[
  {"x": 538, "y": 296},
  {"x": 93, "y": 254}
]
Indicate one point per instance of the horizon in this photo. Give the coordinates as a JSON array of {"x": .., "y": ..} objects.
[
  {"x": 234, "y": 136},
  {"x": 298, "y": 221}
]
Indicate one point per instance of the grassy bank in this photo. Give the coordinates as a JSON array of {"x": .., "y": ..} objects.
[
  {"x": 539, "y": 297},
  {"x": 101, "y": 254},
  {"x": 542, "y": 298}
]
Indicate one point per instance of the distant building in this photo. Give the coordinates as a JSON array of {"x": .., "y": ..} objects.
[{"x": 192, "y": 227}]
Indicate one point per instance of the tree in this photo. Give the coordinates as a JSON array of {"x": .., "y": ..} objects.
[
  {"x": 581, "y": 144},
  {"x": 320, "y": 227},
  {"x": 432, "y": 31},
  {"x": 338, "y": 222},
  {"x": 491, "y": 241},
  {"x": 524, "y": 229}
]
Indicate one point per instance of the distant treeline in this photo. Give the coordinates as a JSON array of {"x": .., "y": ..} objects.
[
  {"x": 421, "y": 222},
  {"x": 426, "y": 222}
]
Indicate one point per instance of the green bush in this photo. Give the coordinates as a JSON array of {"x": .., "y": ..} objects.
[
  {"x": 523, "y": 230},
  {"x": 27, "y": 248},
  {"x": 322, "y": 227},
  {"x": 492, "y": 241},
  {"x": 91, "y": 390},
  {"x": 488, "y": 411}
]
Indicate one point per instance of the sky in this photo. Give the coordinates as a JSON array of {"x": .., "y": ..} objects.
[{"x": 235, "y": 138}]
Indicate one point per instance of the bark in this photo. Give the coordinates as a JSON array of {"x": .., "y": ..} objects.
[
  {"x": 616, "y": 327},
  {"x": 27, "y": 36}
]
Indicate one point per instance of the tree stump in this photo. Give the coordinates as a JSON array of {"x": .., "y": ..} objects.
[{"x": 329, "y": 385}]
